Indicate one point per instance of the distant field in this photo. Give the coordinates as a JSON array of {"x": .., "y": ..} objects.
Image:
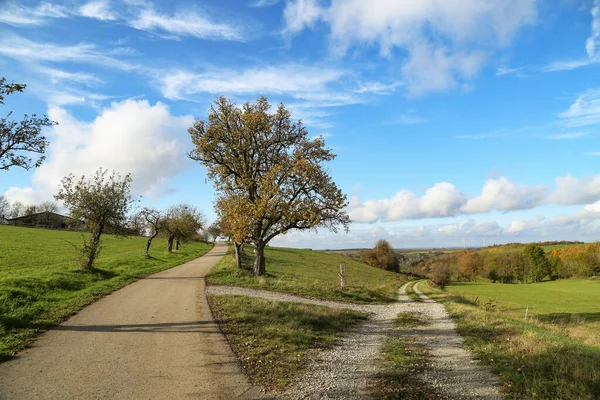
[
  {"x": 579, "y": 297},
  {"x": 41, "y": 284},
  {"x": 312, "y": 273},
  {"x": 549, "y": 248}
]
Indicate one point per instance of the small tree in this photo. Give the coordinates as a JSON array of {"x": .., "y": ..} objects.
[
  {"x": 382, "y": 256},
  {"x": 4, "y": 208},
  {"x": 20, "y": 138},
  {"x": 539, "y": 266},
  {"x": 48, "y": 206},
  {"x": 30, "y": 210},
  {"x": 273, "y": 169},
  {"x": 181, "y": 223},
  {"x": 153, "y": 222},
  {"x": 103, "y": 202},
  {"x": 213, "y": 232},
  {"x": 17, "y": 209},
  {"x": 236, "y": 223}
]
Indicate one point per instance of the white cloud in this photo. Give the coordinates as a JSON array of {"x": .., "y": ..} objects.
[
  {"x": 263, "y": 3},
  {"x": 584, "y": 111},
  {"x": 498, "y": 194},
  {"x": 441, "y": 200},
  {"x": 446, "y": 42},
  {"x": 507, "y": 71},
  {"x": 22, "y": 49},
  {"x": 504, "y": 195},
  {"x": 569, "y": 135},
  {"x": 592, "y": 42},
  {"x": 186, "y": 23},
  {"x": 299, "y": 81},
  {"x": 571, "y": 190},
  {"x": 14, "y": 14},
  {"x": 99, "y": 9},
  {"x": 129, "y": 137},
  {"x": 59, "y": 76},
  {"x": 591, "y": 45}
]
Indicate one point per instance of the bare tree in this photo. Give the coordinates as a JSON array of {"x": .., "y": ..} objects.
[
  {"x": 48, "y": 206},
  {"x": 153, "y": 220},
  {"x": 4, "y": 208},
  {"x": 18, "y": 139},
  {"x": 17, "y": 209}
]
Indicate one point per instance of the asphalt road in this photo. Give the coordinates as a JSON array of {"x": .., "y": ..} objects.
[{"x": 154, "y": 339}]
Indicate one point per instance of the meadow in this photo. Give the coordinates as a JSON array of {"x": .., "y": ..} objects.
[
  {"x": 553, "y": 353},
  {"x": 41, "y": 283},
  {"x": 310, "y": 273}
]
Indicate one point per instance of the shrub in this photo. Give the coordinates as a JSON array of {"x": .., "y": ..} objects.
[
  {"x": 440, "y": 274},
  {"x": 382, "y": 256}
]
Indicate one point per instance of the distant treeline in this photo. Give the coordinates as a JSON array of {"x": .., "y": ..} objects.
[{"x": 515, "y": 263}]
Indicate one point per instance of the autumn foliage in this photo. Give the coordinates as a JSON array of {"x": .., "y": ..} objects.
[
  {"x": 514, "y": 264},
  {"x": 382, "y": 256}
]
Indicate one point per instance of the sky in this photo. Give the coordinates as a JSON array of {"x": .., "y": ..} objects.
[{"x": 454, "y": 122}]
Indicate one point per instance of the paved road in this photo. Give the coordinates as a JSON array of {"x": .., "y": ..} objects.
[{"x": 154, "y": 339}]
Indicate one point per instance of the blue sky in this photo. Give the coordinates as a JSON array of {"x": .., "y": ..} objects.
[{"x": 473, "y": 119}]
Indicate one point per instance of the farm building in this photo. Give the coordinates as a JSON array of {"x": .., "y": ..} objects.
[{"x": 46, "y": 219}]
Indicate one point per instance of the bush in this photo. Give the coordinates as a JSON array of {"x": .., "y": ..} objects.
[
  {"x": 382, "y": 256},
  {"x": 440, "y": 274}
]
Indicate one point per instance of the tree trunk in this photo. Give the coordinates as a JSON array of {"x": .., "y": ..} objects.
[
  {"x": 238, "y": 254},
  {"x": 93, "y": 249},
  {"x": 177, "y": 244},
  {"x": 148, "y": 244},
  {"x": 170, "y": 243},
  {"x": 259, "y": 259}
]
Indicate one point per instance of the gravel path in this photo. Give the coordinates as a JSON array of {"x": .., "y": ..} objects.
[
  {"x": 453, "y": 370},
  {"x": 342, "y": 372}
]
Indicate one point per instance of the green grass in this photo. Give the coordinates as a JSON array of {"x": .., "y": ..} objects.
[
  {"x": 537, "y": 358},
  {"x": 407, "y": 320},
  {"x": 311, "y": 273},
  {"x": 274, "y": 341},
  {"x": 410, "y": 292},
  {"x": 405, "y": 360},
  {"x": 41, "y": 284}
]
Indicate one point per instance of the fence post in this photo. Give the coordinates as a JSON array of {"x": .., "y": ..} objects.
[{"x": 343, "y": 275}]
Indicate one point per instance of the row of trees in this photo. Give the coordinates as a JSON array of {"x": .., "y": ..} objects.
[
  {"x": 104, "y": 203},
  {"x": 17, "y": 209},
  {"x": 514, "y": 264}
]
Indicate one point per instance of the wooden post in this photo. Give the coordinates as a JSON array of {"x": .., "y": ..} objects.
[{"x": 343, "y": 275}]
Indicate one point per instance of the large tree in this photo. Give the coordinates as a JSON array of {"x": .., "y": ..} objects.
[
  {"x": 103, "y": 202},
  {"x": 271, "y": 167},
  {"x": 181, "y": 223},
  {"x": 19, "y": 139}
]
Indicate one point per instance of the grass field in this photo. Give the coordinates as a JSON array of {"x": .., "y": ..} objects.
[
  {"x": 311, "y": 273},
  {"x": 553, "y": 354},
  {"x": 41, "y": 284},
  {"x": 274, "y": 341}
]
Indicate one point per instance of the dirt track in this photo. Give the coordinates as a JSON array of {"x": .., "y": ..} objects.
[{"x": 154, "y": 339}]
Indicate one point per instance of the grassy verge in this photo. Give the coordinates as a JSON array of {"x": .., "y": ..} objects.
[
  {"x": 274, "y": 341},
  {"x": 534, "y": 359},
  {"x": 405, "y": 361},
  {"x": 41, "y": 285},
  {"x": 310, "y": 273},
  {"x": 410, "y": 292}
]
